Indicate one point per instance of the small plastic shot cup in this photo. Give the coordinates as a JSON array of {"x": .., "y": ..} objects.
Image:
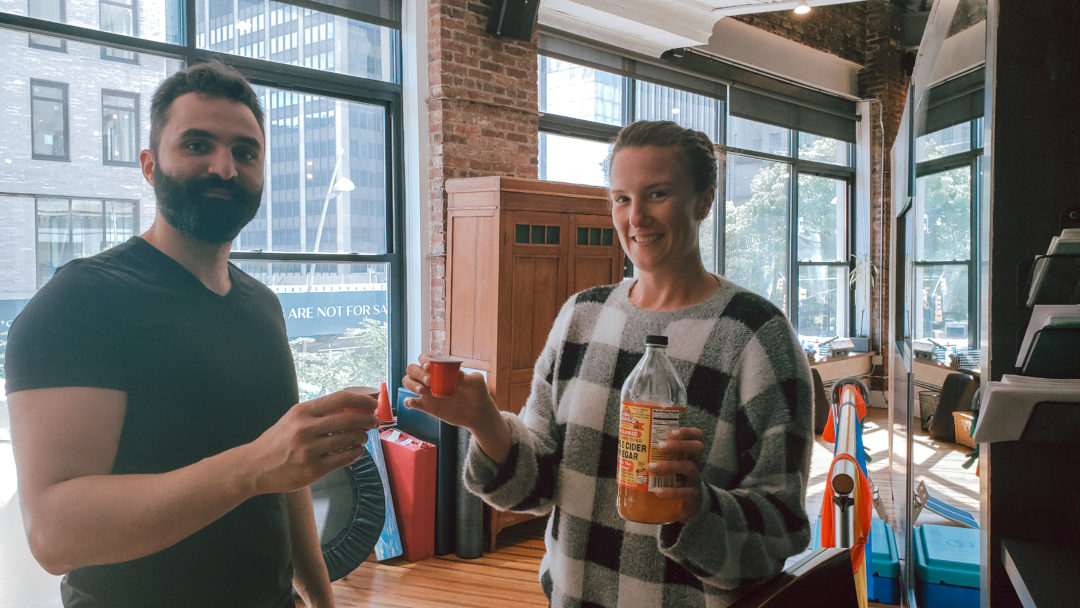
[
  {"x": 443, "y": 375},
  {"x": 370, "y": 391}
]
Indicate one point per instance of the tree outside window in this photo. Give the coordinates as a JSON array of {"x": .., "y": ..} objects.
[
  {"x": 943, "y": 255},
  {"x": 756, "y": 226},
  {"x": 761, "y": 204}
]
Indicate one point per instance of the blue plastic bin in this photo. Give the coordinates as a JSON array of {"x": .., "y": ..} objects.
[
  {"x": 946, "y": 566},
  {"x": 884, "y": 586}
]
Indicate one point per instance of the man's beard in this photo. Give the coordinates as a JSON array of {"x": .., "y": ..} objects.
[{"x": 186, "y": 207}]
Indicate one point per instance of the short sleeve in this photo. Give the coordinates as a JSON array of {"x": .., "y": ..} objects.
[{"x": 69, "y": 334}]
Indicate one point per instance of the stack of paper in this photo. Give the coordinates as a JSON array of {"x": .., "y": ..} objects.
[
  {"x": 1046, "y": 316},
  {"x": 1005, "y": 406}
]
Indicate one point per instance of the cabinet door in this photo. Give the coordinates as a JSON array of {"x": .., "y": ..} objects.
[
  {"x": 536, "y": 281},
  {"x": 595, "y": 256},
  {"x": 472, "y": 285}
]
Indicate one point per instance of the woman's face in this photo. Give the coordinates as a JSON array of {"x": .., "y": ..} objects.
[{"x": 655, "y": 209}]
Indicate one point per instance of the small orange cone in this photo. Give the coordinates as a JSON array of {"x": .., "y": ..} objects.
[{"x": 382, "y": 412}]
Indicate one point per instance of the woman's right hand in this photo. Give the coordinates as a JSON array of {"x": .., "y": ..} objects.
[{"x": 470, "y": 406}]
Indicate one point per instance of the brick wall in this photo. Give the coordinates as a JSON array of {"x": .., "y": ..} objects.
[
  {"x": 836, "y": 29},
  {"x": 884, "y": 79},
  {"x": 482, "y": 107}
]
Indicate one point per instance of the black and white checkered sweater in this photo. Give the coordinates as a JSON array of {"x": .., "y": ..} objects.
[{"x": 749, "y": 389}]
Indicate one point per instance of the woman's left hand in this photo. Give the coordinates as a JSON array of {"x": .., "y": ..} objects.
[{"x": 686, "y": 447}]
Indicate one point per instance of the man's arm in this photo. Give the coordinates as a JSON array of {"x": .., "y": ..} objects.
[
  {"x": 310, "y": 577},
  {"x": 77, "y": 514}
]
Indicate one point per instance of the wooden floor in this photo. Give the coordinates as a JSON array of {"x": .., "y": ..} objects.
[
  {"x": 507, "y": 578},
  {"x": 938, "y": 463}
]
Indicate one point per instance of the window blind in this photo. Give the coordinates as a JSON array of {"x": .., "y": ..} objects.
[
  {"x": 954, "y": 101},
  {"x": 380, "y": 12}
]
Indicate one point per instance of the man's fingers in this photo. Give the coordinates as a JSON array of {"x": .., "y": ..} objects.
[
  {"x": 344, "y": 441},
  {"x": 337, "y": 401}
]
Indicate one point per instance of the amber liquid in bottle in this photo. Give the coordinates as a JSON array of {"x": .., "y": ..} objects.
[{"x": 653, "y": 401}]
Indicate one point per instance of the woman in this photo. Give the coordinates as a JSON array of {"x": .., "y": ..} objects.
[{"x": 745, "y": 447}]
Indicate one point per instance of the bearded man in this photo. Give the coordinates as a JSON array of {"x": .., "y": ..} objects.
[{"x": 163, "y": 459}]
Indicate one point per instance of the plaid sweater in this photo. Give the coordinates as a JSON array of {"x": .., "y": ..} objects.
[{"x": 748, "y": 388}]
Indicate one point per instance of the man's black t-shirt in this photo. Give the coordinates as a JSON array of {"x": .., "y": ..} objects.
[{"x": 203, "y": 373}]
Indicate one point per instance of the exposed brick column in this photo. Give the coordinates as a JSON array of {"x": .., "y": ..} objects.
[
  {"x": 884, "y": 79},
  {"x": 484, "y": 119}
]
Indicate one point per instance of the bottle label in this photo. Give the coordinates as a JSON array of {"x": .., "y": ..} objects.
[{"x": 641, "y": 428}]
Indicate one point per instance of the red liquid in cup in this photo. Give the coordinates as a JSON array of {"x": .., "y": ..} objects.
[{"x": 443, "y": 376}]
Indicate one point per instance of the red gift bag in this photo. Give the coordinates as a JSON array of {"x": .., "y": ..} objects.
[{"x": 410, "y": 464}]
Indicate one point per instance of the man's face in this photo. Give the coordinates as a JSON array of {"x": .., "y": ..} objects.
[{"x": 207, "y": 171}]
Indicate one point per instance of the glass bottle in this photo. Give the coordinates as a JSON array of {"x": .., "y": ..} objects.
[{"x": 652, "y": 404}]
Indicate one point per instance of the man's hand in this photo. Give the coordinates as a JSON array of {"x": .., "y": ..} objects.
[
  {"x": 313, "y": 438},
  {"x": 78, "y": 514}
]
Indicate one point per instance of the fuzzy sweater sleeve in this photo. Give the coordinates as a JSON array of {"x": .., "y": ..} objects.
[{"x": 527, "y": 480}]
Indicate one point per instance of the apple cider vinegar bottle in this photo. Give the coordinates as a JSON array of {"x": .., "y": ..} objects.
[{"x": 652, "y": 404}]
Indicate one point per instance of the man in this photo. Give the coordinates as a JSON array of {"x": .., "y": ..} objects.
[{"x": 162, "y": 457}]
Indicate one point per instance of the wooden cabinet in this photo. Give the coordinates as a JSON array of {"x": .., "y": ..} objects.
[{"x": 516, "y": 250}]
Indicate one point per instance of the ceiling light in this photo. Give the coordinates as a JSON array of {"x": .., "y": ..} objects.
[{"x": 802, "y": 8}]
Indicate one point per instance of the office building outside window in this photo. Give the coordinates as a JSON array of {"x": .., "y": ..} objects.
[
  {"x": 52, "y": 10},
  {"x": 70, "y": 228},
  {"x": 118, "y": 17},
  {"x": 119, "y": 128}
]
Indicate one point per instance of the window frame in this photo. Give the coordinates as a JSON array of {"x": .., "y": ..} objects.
[
  {"x": 800, "y": 166},
  {"x": 63, "y": 87},
  {"x": 70, "y": 228},
  {"x": 105, "y": 153},
  {"x": 106, "y": 51},
  {"x": 972, "y": 159},
  {"x": 182, "y": 45},
  {"x": 62, "y": 48}
]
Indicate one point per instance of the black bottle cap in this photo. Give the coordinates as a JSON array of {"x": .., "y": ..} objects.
[{"x": 653, "y": 340}]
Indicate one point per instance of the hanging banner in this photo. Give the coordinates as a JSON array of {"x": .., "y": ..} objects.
[{"x": 330, "y": 313}]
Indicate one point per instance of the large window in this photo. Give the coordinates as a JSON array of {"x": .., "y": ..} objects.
[
  {"x": 786, "y": 223},
  {"x": 948, "y": 161},
  {"x": 783, "y": 229},
  {"x": 942, "y": 256},
  {"x": 119, "y": 128},
  {"x": 49, "y": 115},
  {"x": 583, "y": 107},
  {"x": 328, "y": 236}
]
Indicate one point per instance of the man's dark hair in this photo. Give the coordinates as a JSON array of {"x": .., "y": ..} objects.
[
  {"x": 695, "y": 147},
  {"x": 213, "y": 79}
]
